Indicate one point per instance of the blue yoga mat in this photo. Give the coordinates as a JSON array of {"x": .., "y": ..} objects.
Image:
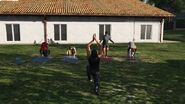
[
  {"x": 40, "y": 59},
  {"x": 19, "y": 61},
  {"x": 71, "y": 59}
]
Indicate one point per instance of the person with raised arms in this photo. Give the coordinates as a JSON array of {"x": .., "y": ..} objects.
[
  {"x": 93, "y": 67},
  {"x": 105, "y": 45}
]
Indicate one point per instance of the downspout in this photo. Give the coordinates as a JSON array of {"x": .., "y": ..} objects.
[
  {"x": 134, "y": 31},
  {"x": 45, "y": 28},
  {"x": 161, "y": 30}
]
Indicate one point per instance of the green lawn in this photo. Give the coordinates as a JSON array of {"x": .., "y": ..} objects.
[
  {"x": 178, "y": 35},
  {"x": 158, "y": 76}
]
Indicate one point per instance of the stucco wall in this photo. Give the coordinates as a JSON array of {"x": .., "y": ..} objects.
[
  {"x": 29, "y": 31},
  {"x": 79, "y": 30},
  {"x": 155, "y": 31}
]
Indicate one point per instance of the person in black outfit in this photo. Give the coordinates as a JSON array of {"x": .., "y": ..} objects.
[
  {"x": 93, "y": 67},
  {"x": 94, "y": 63}
]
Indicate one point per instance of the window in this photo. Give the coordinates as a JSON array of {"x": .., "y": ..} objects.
[
  {"x": 146, "y": 32},
  {"x": 13, "y": 32},
  {"x": 60, "y": 32},
  {"x": 103, "y": 29}
]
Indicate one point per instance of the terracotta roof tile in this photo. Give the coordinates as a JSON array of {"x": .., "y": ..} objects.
[{"x": 81, "y": 7}]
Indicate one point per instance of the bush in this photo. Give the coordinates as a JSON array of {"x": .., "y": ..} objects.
[{"x": 180, "y": 23}]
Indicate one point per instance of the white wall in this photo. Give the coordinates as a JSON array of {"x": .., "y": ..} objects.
[
  {"x": 29, "y": 31},
  {"x": 155, "y": 31},
  {"x": 79, "y": 32}
]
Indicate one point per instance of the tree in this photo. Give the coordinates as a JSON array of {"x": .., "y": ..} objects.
[{"x": 173, "y": 6}]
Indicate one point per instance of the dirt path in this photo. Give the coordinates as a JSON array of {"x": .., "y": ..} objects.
[{"x": 170, "y": 41}]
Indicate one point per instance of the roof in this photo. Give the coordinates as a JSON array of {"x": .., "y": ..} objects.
[{"x": 81, "y": 8}]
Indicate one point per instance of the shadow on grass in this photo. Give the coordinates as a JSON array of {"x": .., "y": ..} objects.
[{"x": 56, "y": 82}]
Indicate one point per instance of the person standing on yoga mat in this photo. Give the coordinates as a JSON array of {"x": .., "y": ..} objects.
[{"x": 105, "y": 45}]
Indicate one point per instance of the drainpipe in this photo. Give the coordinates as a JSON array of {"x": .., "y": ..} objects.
[
  {"x": 161, "y": 30},
  {"x": 134, "y": 27},
  {"x": 45, "y": 28}
]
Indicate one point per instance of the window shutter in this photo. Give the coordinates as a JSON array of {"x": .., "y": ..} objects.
[
  {"x": 16, "y": 32},
  {"x": 108, "y": 29},
  {"x": 101, "y": 31},
  {"x": 63, "y": 32},
  {"x": 56, "y": 32},
  {"x": 149, "y": 32},
  {"x": 9, "y": 32},
  {"x": 143, "y": 27}
]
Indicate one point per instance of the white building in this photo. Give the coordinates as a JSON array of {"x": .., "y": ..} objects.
[{"x": 74, "y": 21}]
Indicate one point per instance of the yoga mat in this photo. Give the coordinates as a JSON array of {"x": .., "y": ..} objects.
[
  {"x": 40, "y": 59},
  {"x": 71, "y": 59},
  {"x": 106, "y": 59},
  {"x": 19, "y": 61}
]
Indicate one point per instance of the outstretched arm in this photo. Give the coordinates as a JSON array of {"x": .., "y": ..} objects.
[
  {"x": 88, "y": 47},
  {"x": 101, "y": 41},
  {"x": 111, "y": 40},
  {"x": 97, "y": 42}
]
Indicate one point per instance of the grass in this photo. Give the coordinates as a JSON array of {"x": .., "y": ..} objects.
[
  {"x": 177, "y": 35},
  {"x": 156, "y": 78}
]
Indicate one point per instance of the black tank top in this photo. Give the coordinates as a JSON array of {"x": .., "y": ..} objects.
[{"x": 94, "y": 64}]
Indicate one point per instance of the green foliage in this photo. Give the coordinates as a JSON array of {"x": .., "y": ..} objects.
[
  {"x": 173, "y": 6},
  {"x": 177, "y": 35},
  {"x": 180, "y": 23}
]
